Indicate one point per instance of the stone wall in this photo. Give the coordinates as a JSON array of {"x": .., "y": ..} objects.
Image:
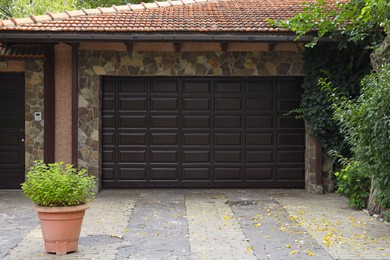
[
  {"x": 93, "y": 64},
  {"x": 33, "y": 103}
]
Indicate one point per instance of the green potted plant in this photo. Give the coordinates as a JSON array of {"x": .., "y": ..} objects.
[{"x": 61, "y": 194}]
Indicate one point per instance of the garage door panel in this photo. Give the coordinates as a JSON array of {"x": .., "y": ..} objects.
[
  {"x": 108, "y": 121},
  {"x": 126, "y": 139},
  {"x": 286, "y": 105},
  {"x": 259, "y": 156},
  {"x": 108, "y": 104},
  {"x": 228, "y": 87},
  {"x": 161, "y": 104},
  {"x": 290, "y": 123},
  {"x": 196, "y": 104},
  {"x": 132, "y": 157},
  {"x": 202, "y": 173},
  {"x": 132, "y": 173},
  {"x": 108, "y": 156},
  {"x": 259, "y": 139},
  {"x": 259, "y": 104},
  {"x": 291, "y": 173},
  {"x": 289, "y": 139},
  {"x": 108, "y": 139},
  {"x": 164, "y": 139},
  {"x": 259, "y": 173},
  {"x": 196, "y": 87},
  {"x": 196, "y": 156},
  {"x": 227, "y": 156},
  {"x": 228, "y": 121},
  {"x": 206, "y": 132},
  {"x": 165, "y": 87},
  {"x": 290, "y": 87},
  {"x": 190, "y": 139},
  {"x": 161, "y": 173},
  {"x": 290, "y": 156},
  {"x": 132, "y": 121},
  {"x": 164, "y": 121},
  {"x": 264, "y": 122},
  {"x": 228, "y": 139},
  {"x": 221, "y": 173},
  {"x": 127, "y": 103},
  {"x": 196, "y": 121},
  {"x": 164, "y": 156},
  {"x": 231, "y": 104},
  {"x": 133, "y": 87},
  {"x": 108, "y": 172},
  {"x": 260, "y": 87}
]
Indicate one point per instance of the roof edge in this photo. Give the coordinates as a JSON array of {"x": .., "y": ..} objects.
[
  {"x": 49, "y": 37},
  {"x": 15, "y": 22}
]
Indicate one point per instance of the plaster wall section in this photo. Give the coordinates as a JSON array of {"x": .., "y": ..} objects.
[
  {"x": 63, "y": 103},
  {"x": 94, "y": 64}
]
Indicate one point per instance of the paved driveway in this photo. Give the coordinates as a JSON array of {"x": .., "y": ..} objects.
[{"x": 204, "y": 224}]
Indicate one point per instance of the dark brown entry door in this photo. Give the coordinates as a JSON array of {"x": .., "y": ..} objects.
[
  {"x": 201, "y": 132},
  {"x": 12, "y": 169}
]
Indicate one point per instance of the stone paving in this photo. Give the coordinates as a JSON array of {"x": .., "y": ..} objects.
[{"x": 203, "y": 224}]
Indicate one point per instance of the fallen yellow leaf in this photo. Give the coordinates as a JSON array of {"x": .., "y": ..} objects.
[{"x": 310, "y": 253}]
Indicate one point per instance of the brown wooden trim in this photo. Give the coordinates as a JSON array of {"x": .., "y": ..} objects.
[
  {"x": 75, "y": 102},
  {"x": 49, "y": 104},
  {"x": 318, "y": 162}
]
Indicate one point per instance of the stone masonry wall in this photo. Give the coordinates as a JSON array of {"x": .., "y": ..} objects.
[
  {"x": 93, "y": 64},
  {"x": 33, "y": 103}
]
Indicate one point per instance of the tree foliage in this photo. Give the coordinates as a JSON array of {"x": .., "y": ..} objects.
[
  {"x": 344, "y": 68},
  {"x": 365, "y": 124},
  {"x": 364, "y": 121},
  {"x": 25, "y": 8},
  {"x": 355, "y": 20}
]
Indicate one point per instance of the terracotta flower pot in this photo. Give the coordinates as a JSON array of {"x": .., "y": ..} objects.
[{"x": 61, "y": 227}]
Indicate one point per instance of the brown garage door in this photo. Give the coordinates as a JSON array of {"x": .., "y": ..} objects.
[{"x": 201, "y": 132}]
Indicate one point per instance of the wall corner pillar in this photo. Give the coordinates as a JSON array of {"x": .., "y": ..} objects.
[{"x": 313, "y": 164}]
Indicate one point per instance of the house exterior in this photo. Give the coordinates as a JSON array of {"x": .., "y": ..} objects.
[{"x": 166, "y": 94}]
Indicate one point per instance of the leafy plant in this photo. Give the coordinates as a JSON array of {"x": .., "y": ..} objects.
[
  {"x": 58, "y": 185},
  {"x": 386, "y": 215},
  {"x": 353, "y": 183},
  {"x": 348, "y": 21},
  {"x": 365, "y": 124},
  {"x": 343, "y": 71},
  {"x": 24, "y": 8}
]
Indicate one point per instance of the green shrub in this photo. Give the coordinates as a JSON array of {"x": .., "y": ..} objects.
[
  {"x": 386, "y": 215},
  {"x": 365, "y": 124},
  {"x": 58, "y": 185},
  {"x": 353, "y": 183}
]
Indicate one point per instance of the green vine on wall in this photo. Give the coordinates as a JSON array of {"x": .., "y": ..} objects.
[{"x": 343, "y": 68}]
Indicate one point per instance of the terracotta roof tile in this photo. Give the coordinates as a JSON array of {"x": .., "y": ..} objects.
[{"x": 171, "y": 16}]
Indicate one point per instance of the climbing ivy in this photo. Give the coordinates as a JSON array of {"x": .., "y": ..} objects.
[{"x": 343, "y": 68}]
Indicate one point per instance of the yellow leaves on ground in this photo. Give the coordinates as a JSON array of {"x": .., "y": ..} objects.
[
  {"x": 328, "y": 239},
  {"x": 310, "y": 253},
  {"x": 257, "y": 220},
  {"x": 226, "y": 218},
  {"x": 293, "y": 252},
  {"x": 249, "y": 248}
]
